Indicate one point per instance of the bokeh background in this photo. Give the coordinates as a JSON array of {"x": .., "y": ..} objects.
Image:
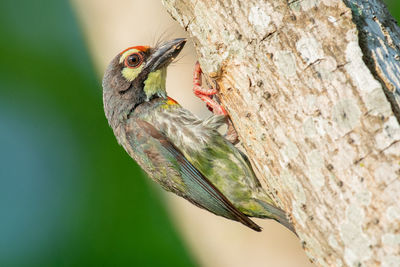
[{"x": 69, "y": 195}]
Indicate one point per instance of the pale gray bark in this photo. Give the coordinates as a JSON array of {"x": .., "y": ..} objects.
[{"x": 313, "y": 89}]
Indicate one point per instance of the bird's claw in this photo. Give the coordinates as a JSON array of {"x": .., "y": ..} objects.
[{"x": 206, "y": 95}]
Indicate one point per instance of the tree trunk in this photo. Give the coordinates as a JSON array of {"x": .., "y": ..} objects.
[{"x": 313, "y": 90}]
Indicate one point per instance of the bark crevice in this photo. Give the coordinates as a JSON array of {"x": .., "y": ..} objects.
[{"x": 391, "y": 91}]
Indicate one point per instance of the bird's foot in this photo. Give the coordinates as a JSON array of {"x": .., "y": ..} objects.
[{"x": 206, "y": 95}]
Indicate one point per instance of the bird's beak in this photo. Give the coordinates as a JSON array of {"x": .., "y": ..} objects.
[{"x": 164, "y": 54}]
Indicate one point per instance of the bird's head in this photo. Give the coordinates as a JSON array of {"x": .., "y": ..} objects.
[{"x": 135, "y": 76}]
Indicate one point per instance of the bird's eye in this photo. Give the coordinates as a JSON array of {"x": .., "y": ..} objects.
[{"x": 134, "y": 60}]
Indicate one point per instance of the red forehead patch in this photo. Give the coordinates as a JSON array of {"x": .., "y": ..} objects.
[{"x": 140, "y": 48}]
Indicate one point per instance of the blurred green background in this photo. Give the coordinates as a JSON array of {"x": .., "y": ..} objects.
[{"x": 69, "y": 195}]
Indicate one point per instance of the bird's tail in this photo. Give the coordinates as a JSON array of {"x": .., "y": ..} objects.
[{"x": 278, "y": 215}]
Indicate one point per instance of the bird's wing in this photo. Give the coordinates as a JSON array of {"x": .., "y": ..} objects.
[{"x": 200, "y": 190}]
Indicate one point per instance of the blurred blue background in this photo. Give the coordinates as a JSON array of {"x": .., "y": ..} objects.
[{"x": 69, "y": 195}]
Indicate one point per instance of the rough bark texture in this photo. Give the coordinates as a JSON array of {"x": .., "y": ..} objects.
[{"x": 313, "y": 89}]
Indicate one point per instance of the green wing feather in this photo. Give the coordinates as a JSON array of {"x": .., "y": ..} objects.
[{"x": 199, "y": 189}]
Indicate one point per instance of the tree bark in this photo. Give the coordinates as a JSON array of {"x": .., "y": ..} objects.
[{"x": 313, "y": 90}]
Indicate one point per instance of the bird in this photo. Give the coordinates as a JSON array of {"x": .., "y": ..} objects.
[{"x": 186, "y": 155}]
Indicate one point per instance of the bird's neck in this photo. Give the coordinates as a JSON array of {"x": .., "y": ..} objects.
[{"x": 154, "y": 85}]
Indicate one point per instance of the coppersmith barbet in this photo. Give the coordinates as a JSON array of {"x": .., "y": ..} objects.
[{"x": 185, "y": 155}]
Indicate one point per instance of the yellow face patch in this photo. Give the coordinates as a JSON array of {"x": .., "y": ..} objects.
[
  {"x": 155, "y": 83},
  {"x": 130, "y": 73}
]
